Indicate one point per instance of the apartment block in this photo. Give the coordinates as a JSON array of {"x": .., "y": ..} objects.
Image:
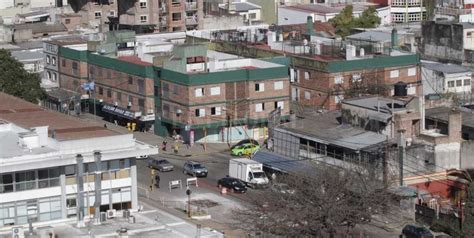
[
  {"x": 180, "y": 15},
  {"x": 96, "y": 13},
  {"x": 206, "y": 95}
]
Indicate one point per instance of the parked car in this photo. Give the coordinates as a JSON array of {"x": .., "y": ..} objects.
[
  {"x": 245, "y": 141},
  {"x": 235, "y": 185},
  {"x": 282, "y": 188},
  {"x": 414, "y": 231},
  {"x": 245, "y": 149},
  {"x": 195, "y": 169},
  {"x": 160, "y": 165}
]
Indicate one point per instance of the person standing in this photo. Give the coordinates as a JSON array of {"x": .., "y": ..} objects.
[{"x": 157, "y": 181}]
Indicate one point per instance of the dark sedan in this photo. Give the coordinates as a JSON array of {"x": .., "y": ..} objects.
[
  {"x": 233, "y": 184},
  {"x": 414, "y": 231}
]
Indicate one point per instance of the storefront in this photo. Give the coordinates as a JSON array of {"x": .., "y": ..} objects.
[{"x": 119, "y": 115}]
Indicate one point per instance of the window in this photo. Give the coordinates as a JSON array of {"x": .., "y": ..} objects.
[
  {"x": 259, "y": 87},
  {"x": 394, "y": 73},
  {"x": 141, "y": 86},
  {"x": 53, "y": 60},
  {"x": 112, "y": 13},
  {"x": 292, "y": 75},
  {"x": 130, "y": 100},
  {"x": 141, "y": 103},
  {"x": 307, "y": 75},
  {"x": 156, "y": 91},
  {"x": 307, "y": 95},
  {"x": 166, "y": 89},
  {"x": 458, "y": 83},
  {"x": 199, "y": 92},
  {"x": 176, "y": 16},
  {"x": 143, "y": 3},
  {"x": 55, "y": 77},
  {"x": 278, "y": 85},
  {"x": 469, "y": 34},
  {"x": 48, "y": 59},
  {"x": 68, "y": 21},
  {"x": 279, "y": 104},
  {"x": 98, "y": 14},
  {"x": 143, "y": 18},
  {"x": 467, "y": 82},
  {"x": 339, "y": 79},
  {"x": 215, "y": 111},
  {"x": 259, "y": 107},
  {"x": 118, "y": 96},
  {"x": 49, "y": 75},
  {"x": 201, "y": 112},
  {"x": 451, "y": 84},
  {"x": 130, "y": 80},
  {"x": 25, "y": 180},
  {"x": 74, "y": 68},
  {"x": 412, "y": 71},
  {"x": 252, "y": 16},
  {"x": 175, "y": 90},
  {"x": 101, "y": 91},
  {"x": 63, "y": 63},
  {"x": 109, "y": 93},
  {"x": 215, "y": 91}
]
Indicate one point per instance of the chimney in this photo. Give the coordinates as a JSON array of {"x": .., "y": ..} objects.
[
  {"x": 394, "y": 39},
  {"x": 454, "y": 125},
  {"x": 309, "y": 25}
]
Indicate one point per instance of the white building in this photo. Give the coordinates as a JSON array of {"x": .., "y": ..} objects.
[
  {"x": 251, "y": 12},
  {"x": 289, "y": 15},
  {"x": 33, "y": 61},
  {"x": 403, "y": 11},
  {"x": 441, "y": 78},
  {"x": 40, "y": 173}
]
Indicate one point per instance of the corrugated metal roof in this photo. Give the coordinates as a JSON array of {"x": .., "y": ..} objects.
[
  {"x": 373, "y": 36},
  {"x": 281, "y": 163}
]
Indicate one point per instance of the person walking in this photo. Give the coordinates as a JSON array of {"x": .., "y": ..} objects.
[{"x": 157, "y": 181}]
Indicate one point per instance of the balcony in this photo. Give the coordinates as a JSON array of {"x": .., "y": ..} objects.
[
  {"x": 191, "y": 21},
  {"x": 191, "y": 6},
  {"x": 452, "y": 11}
]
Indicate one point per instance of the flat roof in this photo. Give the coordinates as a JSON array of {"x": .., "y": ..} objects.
[
  {"x": 281, "y": 163},
  {"x": 29, "y": 115},
  {"x": 325, "y": 9},
  {"x": 445, "y": 68},
  {"x": 27, "y": 55},
  {"x": 245, "y": 6},
  {"x": 327, "y": 129},
  {"x": 377, "y": 103},
  {"x": 442, "y": 114},
  {"x": 372, "y": 36}
]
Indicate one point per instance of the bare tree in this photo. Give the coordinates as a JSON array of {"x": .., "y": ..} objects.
[{"x": 328, "y": 203}]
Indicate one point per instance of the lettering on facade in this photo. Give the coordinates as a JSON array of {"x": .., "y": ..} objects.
[
  {"x": 50, "y": 48},
  {"x": 118, "y": 111}
]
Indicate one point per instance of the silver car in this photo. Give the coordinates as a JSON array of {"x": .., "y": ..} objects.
[
  {"x": 195, "y": 169},
  {"x": 161, "y": 165}
]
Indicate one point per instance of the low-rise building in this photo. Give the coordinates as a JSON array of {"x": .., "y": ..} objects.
[
  {"x": 439, "y": 78},
  {"x": 216, "y": 97},
  {"x": 52, "y": 164},
  {"x": 32, "y": 61}
]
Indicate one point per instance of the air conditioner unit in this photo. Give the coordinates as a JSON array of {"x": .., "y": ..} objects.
[
  {"x": 111, "y": 213},
  {"x": 17, "y": 232}
]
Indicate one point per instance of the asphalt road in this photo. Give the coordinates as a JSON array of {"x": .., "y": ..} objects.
[{"x": 217, "y": 165}]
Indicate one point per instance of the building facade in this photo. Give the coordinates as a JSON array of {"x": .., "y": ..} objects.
[
  {"x": 218, "y": 100},
  {"x": 180, "y": 15},
  {"x": 403, "y": 11},
  {"x": 48, "y": 170}
]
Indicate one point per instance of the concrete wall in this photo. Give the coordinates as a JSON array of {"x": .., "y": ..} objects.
[
  {"x": 432, "y": 82},
  {"x": 222, "y": 22},
  {"x": 288, "y": 16},
  {"x": 467, "y": 152},
  {"x": 269, "y": 10},
  {"x": 443, "y": 40},
  {"x": 447, "y": 156},
  {"x": 6, "y": 4}
]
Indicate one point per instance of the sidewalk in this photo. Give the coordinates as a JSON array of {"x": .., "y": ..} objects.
[{"x": 152, "y": 139}]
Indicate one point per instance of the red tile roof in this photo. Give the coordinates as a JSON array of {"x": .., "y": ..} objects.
[
  {"x": 28, "y": 115},
  {"x": 134, "y": 60}
]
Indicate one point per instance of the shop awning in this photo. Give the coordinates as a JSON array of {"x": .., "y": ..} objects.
[{"x": 120, "y": 111}]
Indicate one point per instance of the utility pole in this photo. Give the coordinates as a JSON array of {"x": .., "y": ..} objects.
[
  {"x": 401, "y": 153},
  {"x": 80, "y": 190},
  {"x": 97, "y": 186}
]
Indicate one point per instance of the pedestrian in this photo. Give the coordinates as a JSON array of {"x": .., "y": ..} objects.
[
  {"x": 163, "y": 145},
  {"x": 105, "y": 125},
  {"x": 176, "y": 148},
  {"x": 157, "y": 181}
]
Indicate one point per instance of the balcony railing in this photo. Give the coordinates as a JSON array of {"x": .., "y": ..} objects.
[
  {"x": 452, "y": 11},
  {"x": 191, "y": 21},
  {"x": 191, "y": 6}
]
